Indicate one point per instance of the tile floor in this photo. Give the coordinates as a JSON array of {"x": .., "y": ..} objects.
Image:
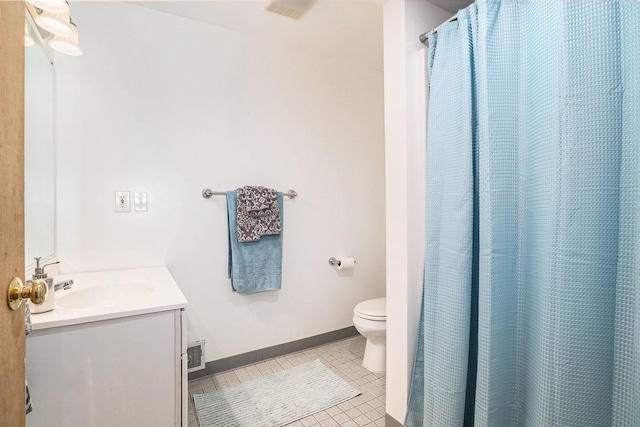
[{"x": 344, "y": 357}]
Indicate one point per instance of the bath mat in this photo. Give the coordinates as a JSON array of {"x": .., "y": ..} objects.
[{"x": 274, "y": 400}]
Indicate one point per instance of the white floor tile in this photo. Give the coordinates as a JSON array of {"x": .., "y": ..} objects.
[{"x": 344, "y": 357}]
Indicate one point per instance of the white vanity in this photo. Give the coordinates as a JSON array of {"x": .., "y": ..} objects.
[{"x": 112, "y": 352}]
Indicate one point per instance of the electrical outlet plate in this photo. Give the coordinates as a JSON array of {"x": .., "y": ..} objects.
[
  {"x": 140, "y": 201},
  {"x": 122, "y": 201}
]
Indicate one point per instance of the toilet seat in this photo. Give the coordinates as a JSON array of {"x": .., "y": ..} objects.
[{"x": 373, "y": 309}]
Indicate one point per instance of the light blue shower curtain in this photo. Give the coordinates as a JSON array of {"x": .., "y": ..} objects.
[{"x": 531, "y": 302}]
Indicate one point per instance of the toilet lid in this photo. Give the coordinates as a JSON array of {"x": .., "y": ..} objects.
[{"x": 373, "y": 309}]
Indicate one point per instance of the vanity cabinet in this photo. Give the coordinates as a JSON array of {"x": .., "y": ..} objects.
[
  {"x": 119, "y": 372},
  {"x": 121, "y": 362}
]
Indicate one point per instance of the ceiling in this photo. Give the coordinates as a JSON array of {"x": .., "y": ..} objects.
[
  {"x": 451, "y": 6},
  {"x": 349, "y": 30}
]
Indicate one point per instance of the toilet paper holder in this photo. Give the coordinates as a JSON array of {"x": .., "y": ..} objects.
[{"x": 335, "y": 262}]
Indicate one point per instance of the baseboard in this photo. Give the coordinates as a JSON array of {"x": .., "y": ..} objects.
[
  {"x": 256, "y": 356},
  {"x": 389, "y": 421}
]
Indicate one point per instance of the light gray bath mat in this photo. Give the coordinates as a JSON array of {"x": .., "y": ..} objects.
[{"x": 274, "y": 400}]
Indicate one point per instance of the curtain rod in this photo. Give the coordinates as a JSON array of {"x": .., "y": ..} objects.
[{"x": 424, "y": 38}]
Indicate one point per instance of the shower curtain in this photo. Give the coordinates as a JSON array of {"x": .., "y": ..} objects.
[{"x": 531, "y": 298}]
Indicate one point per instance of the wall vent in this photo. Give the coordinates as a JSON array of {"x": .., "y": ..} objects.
[
  {"x": 294, "y": 9},
  {"x": 195, "y": 355}
]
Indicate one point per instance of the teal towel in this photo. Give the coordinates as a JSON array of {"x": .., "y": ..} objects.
[{"x": 253, "y": 266}]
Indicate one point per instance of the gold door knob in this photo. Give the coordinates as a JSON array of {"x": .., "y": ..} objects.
[{"x": 18, "y": 292}]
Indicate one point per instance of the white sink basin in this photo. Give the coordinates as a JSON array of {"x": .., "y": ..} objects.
[{"x": 103, "y": 296}]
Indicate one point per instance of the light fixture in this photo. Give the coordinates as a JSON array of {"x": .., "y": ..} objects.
[
  {"x": 55, "y": 6},
  {"x": 55, "y": 23},
  {"x": 28, "y": 40},
  {"x": 67, "y": 44}
]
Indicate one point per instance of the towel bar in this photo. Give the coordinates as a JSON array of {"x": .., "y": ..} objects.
[{"x": 207, "y": 193}]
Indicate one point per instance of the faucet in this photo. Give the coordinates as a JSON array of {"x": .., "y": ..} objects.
[{"x": 63, "y": 285}]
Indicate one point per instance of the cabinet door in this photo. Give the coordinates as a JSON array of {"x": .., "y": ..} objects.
[{"x": 119, "y": 372}]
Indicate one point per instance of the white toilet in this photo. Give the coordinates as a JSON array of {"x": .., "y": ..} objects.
[{"x": 370, "y": 319}]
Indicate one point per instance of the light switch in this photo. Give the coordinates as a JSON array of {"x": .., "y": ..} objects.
[
  {"x": 140, "y": 201},
  {"x": 122, "y": 201}
]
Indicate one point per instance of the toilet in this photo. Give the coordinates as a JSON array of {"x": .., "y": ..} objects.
[{"x": 370, "y": 319}]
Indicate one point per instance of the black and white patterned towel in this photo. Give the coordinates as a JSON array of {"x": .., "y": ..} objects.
[
  {"x": 258, "y": 213},
  {"x": 27, "y": 318},
  {"x": 27, "y": 330}
]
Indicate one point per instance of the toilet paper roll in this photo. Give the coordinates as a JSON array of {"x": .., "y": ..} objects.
[{"x": 346, "y": 263}]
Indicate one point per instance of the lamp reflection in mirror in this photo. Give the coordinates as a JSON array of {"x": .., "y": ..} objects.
[
  {"x": 55, "y": 23},
  {"x": 67, "y": 44},
  {"x": 55, "y": 6}
]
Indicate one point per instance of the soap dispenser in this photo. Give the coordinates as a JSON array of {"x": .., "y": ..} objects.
[{"x": 50, "y": 298}]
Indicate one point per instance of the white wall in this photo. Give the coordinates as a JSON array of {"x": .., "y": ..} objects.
[
  {"x": 405, "y": 130},
  {"x": 170, "y": 106}
]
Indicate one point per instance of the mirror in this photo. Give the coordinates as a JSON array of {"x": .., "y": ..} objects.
[{"x": 39, "y": 161}]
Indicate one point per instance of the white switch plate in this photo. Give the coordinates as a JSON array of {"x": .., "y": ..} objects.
[
  {"x": 140, "y": 201},
  {"x": 122, "y": 201}
]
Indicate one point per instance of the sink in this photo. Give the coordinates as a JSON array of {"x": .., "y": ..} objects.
[{"x": 103, "y": 296}]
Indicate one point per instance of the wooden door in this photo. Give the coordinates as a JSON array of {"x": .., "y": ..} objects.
[{"x": 12, "y": 337}]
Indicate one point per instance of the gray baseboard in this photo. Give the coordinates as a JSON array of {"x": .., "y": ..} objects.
[
  {"x": 256, "y": 356},
  {"x": 389, "y": 421}
]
